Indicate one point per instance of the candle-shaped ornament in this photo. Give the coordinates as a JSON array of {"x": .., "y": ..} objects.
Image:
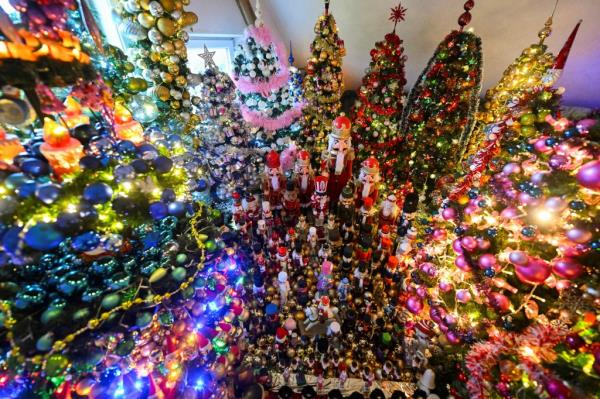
[
  {"x": 126, "y": 127},
  {"x": 73, "y": 115},
  {"x": 10, "y": 147},
  {"x": 62, "y": 151}
]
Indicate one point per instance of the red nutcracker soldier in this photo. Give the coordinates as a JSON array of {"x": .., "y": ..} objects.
[
  {"x": 367, "y": 185},
  {"x": 237, "y": 210},
  {"x": 291, "y": 204},
  {"x": 273, "y": 182},
  {"x": 338, "y": 159},
  {"x": 304, "y": 178},
  {"x": 320, "y": 200},
  {"x": 389, "y": 211}
]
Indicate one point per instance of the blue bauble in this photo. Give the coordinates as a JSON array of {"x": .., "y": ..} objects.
[
  {"x": 10, "y": 240},
  {"x": 48, "y": 193},
  {"x": 168, "y": 195},
  {"x": 113, "y": 242},
  {"x": 34, "y": 149},
  {"x": 528, "y": 231},
  {"x": 15, "y": 180},
  {"x": 551, "y": 141},
  {"x": 30, "y": 295},
  {"x": 91, "y": 294},
  {"x": 72, "y": 282},
  {"x": 176, "y": 208},
  {"x": 147, "y": 151},
  {"x": 577, "y": 205},
  {"x": 35, "y": 167},
  {"x": 489, "y": 272},
  {"x": 163, "y": 164},
  {"x": 8, "y": 205},
  {"x": 104, "y": 267},
  {"x": 202, "y": 184},
  {"x": 84, "y": 133},
  {"x": 100, "y": 145},
  {"x": 571, "y": 132},
  {"x": 91, "y": 163},
  {"x": 124, "y": 172},
  {"x": 87, "y": 212},
  {"x": 117, "y": 281},
  {"x": 140, "y": 166},
  {"x": 86, "y": 241},
  {"x": 27, "y": 189},
  {"x": 126, "y": 147},
  {"x": 43, "y": 237},
  {"x": 97, "y": 193},
  {"x": 158, "y": 210},
  {"x": 68, "y": 222}
]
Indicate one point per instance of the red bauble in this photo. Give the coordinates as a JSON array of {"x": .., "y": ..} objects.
[
  {"x": 536, "y": 271},
  {"x": 499, "y": 301},
  {"x": 574, "y": 341},
  {"x": 567, "y": 268}
]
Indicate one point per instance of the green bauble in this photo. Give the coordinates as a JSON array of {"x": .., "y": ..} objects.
[
  {"x": 178, "y": 274},
  {"x": 51, "y": 314},
  {"x": 527, "y": 119},
  {"x": 110, "y": 301},
  {"x": 125, "y": 347},
  {"x": 56, "y": 365}
]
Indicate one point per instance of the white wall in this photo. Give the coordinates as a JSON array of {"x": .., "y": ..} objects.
[{"x": 218, "y": 17}]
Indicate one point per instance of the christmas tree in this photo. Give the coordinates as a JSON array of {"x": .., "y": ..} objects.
[
  {"x": 223, "y": 135},
  {"x": 323, "y": 85},
  {"x": 381, "y": 96},
  {"x": 296, "y": 80},
  {"x": 440, "y": 111},
  {"x": 261, "y": 77}
]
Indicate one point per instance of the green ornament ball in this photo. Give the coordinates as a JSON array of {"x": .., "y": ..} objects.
[
  {"x": 110, "y": 301},
  {"x": 178, "y": 274},
  {"x": 527, "y": 119},
  {"x": 56, "y": 365}
]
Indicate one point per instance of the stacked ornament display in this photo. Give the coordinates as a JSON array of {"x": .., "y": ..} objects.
[
  {"x": 261, "y": 77},
  {"x": 323, "y": 85},
  {"x": 155, "y": 34},
  {"x": 224, "y": 137},
  {"x": 381, "y": 96}
]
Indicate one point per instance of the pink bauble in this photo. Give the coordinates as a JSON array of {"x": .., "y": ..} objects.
[
  {"x": 449, "y": 213},
  {"x": 483, "y": 244},
  {"x": 486, "y": 261},
  {"x": 525, "y": 198},
  {"x": 589, "y": 175},
  {"x": 511, "y": 168},
  {"x": 557, "y": 389},
  {"x": 414, "y": 304},
  {"x": 586, "y": 124},
  {"x": 462, "y": 264},
  {"x": 436, "y": 313},
  {"x": 555, "y": 204},
  {"x": 453, "y": 337},
  {"x": 463, "y": 296},
  {"x": 445, "y": 286},
  {"x": 536, "y": 271},
  {"x": 562, "y": 285},
  {"x": 578, "y": 235},
  {"x": 421, "y": 291},
  {"x": 569, "y": 250},
  {"x": 439, "y": 234},
  {"x": 470, "y": 209},
  {"x": 540, "y": 145},
  {"x": 518, "y": 258},
  {"x": 469, "y": 243},
  {"x": 509, "y": 213},
  {"x": 538, "y": 177},
  {"x": 449, "y": 319},
  {"x": 499, "y": 301},
  {"x": 457, "y": 246},
  {"x": 567, "y": 268}
]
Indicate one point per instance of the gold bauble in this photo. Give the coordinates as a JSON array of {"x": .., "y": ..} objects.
[
  {"x": 270, "y": 290},
  {"x": 189, "y": 18},
  {"x": 168, "y": 47},
  {"x": 166, "y": 26},
  {"x": 174, "y": 69},
  {"x": 161, "y": 92},
  {"x": 146, "y": 20},
  {"x": 179, "y": 44},
  {"x": 291, "y": 353},
  {"x": 166, "y": 77},
  {"x": 185, "y": 2},
  {"x": 154, "y": 57},
  {"x": 185, "y": 95},
  {"x": 145, "y": 4},
  {"x": 300, "y": 316},
  {"x": 175, "y": 104},
  {"x": 168, "y": 5}
]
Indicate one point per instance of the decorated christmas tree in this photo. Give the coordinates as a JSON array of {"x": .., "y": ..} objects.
[
  {"x": 224, "y": 139},
  {"x": 440, "y": 111},
  {"x": 323, "y": 84},
  {"x": 156, "y": 37},
  {"x": 296, "y": 80},
  {"x": 261, "y": 76},
  {"x": 381, "y": 96}
]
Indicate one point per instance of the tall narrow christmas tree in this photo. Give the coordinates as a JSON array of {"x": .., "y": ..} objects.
[
  {"x": 440, "y": 111},
  {"x": 377, "y": 123},
  {"x": 224, "y": 138},
  {"x": 261, "y": 76},
  {"x": 323, "y": 84},
  {"x": 296, "y": 80}
]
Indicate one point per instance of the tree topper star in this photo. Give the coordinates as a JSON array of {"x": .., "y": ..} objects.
[
  {"x": 207, "y": 56},
  {"x": 398, "y": 14}
]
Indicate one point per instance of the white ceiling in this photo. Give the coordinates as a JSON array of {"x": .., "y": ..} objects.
[{"x": 505, "y": 26}]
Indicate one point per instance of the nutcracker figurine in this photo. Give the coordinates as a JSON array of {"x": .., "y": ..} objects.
[
  {"x": 346, "y": 210},
  {"x": 237, "y": 210},
  {"x": 368, "y": 181},
  {"x": 291, "y": 204},
  {"x": 389, "y": 211},
  {"x": 304, "y": 178},
  {"x": 320, "y": 200},
  {"x": 273, "y": 181},
  {"x": 367, "y": 212},
  {"x": 338, "y": 159},
  {"x": 284, "y": 287}
]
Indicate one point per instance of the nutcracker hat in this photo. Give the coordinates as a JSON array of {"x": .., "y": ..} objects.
[
  {"x": 290, "y": 186},
  {"x": 281, "y": 335},
  {"x": 325, "y": 300},
  {"x": 385, "y": 229},
  {"x": 348, "y": 251},
  {"x": 236, "y": 196},
  {"x": 371, "y": 165},
  {"x": 281, "y": 252},
  {"x": 345, "y": 280},
  {"x": 272, "y": 160},
  {"x": 291, "y": 231},
  {"x": 386, "y": 242},
  {"x": 392, "y": 262},
  {"x": 303, "y": 158},
  {"x": 334, "y": 328},
  {"x": 342, "y": 366},
  {"x": 368, "y": 202},
  {"x": 347, "y": 192},
  {"x": 308, "y": 392},
  {"x": 341, "y": 127},
  {"x": 321, "y": 184},
  {"x": 282, "y": 277}
]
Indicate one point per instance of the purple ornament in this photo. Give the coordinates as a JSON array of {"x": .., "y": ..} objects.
[
  {"x": 463, "y": 296},
  {"x": 469, "y": 243},
  {"x": 457, "y": 246},
  {"x": 540, "y": 145},
  {"x": 518, "y": 258},
  {"x": 574, "y": 341},
  {"x": 511, "y": 168},
  {"x": 558, "y": 161},
  {"x": 462, "y": 264},
  {"x": 483, "y": 244},
  {"x": 555, "y": 204},
  {"x": 536, "y": 271},
  {"x": 469, "y": 210},
  {"x": 445, "y": 286},
  {"x": 421, "y": 291},
  {"x": 449, "y": 213},
  {"x": 509, "y": 213},
  {"x": 538, "y": 177},
  {"x": 486, "y": 261},
  {"x": 578, "y": 235},
  {"x": 414, "y": 304},
  {"x": 567, "y": 268},
  {"x": 589, "y": 175},
  {"x": 439, "y": 234},
  {"x": 453, "y": 337}
]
